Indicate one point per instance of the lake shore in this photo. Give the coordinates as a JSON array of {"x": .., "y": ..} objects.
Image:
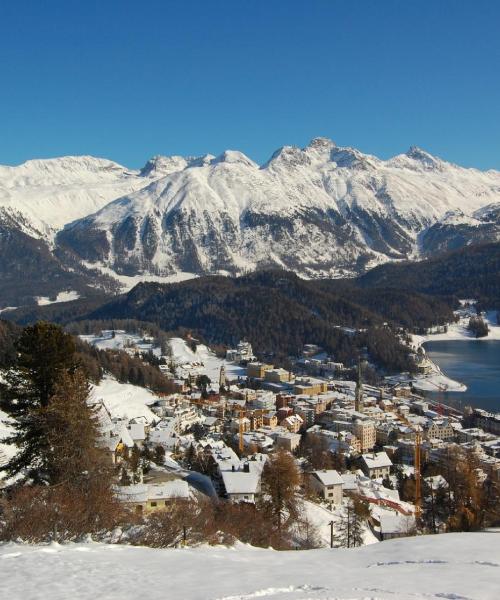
[{"x": 436, "y": 380}]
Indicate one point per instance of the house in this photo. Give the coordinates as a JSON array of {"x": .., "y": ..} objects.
[
  {"x": 440, "y": 430},
  {"x": 293, "y": 423},
  {"x": 366, "y": 433},
  {"x": 376, "y": 464},
  {"x": 395, "y": 525},
  {"x": 309, "y": 386},
  {"x": 270, "y": 419},
  {"x": 145, "y": 498},
  {"x": 328, "y": 484},
  {"x": 242, "y": 480},
  {"x": 137, "y": 433},
  {"x": 289, "y": 441},
  {"x": 257, "y": 370}
]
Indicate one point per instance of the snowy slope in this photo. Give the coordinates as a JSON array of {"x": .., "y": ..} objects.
[
  {"x": 320, "y": 210},
  {"x": 454, "y": 566},
  {"x": 317, "y": 210},
  {"x": 123, "y": 400},
  {"x": 49, "y": 193}
]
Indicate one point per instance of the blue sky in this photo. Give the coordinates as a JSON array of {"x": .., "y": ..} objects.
[{"x": 127, "y": 80}]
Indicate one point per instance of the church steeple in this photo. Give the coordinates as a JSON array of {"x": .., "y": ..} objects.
[{"x": 358, "y": 398}]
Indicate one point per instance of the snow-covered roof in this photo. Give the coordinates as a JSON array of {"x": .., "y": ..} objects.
[
  {"x": 377, "y": 460},
  {"x": 329, "y": 477},
  {"x": 142, "y": 492},
  {"x": 240, "y": 482}
]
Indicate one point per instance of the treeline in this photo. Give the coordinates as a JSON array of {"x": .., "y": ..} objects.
[
  {"x": 58, "y": 482},
  {"x": 472, "y": 272},
  {"x": 125, "y": 368},
  {"x": 279, "y": 313},
  {"x": 466, "y": 498},
  {"x": 96, "y": 363},
  {"x": 9, "y": 332}
]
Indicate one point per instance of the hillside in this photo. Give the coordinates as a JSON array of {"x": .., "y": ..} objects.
[
  {"x": 459, "y": 566},
  {"x": 472, "y": 272},
  {"x": 280, "y": 312}
]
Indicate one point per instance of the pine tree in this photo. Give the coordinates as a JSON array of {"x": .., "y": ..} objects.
[
  {"x": 70, "y": 428},
  {"x": 350, "y": 529},
  {"x": 45, "y": 354}
]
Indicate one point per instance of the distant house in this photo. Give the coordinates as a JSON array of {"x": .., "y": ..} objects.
[
  {"x": 289, "y": 441},
  {"x": 376, "y": 464},
  {"x": 328, "y": 484},
  {"x": 395, "y": 525},
  {"x": 293, "y": 423},
  {"x": 138, "y": 433},
  {"x": 144, "y": 498}
]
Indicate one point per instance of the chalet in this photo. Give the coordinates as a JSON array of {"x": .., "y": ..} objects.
[
  {"x": 328, "y": 484},
  {"x": 145, "y": 498},
  {"x": 376, "y": 464}
]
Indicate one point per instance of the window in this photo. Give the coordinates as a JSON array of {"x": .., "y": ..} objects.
[{"x": 154, "y": 504}]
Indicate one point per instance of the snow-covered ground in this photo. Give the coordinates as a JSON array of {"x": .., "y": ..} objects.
[
  {"x": 67, "y": 296},
  {"x": 119, "y": 340},
  {"x": 460, "y": 566},
  {"x": 203, "y": 361},
  {"x": 123, "y": 400},
  {"x": 128, "y": 282},
  {"x": 7, "y": 308},
  {"x": 459, "y": 331},
  {"x": 321, "y": 517},
  {"x": 6, "y": 451}
]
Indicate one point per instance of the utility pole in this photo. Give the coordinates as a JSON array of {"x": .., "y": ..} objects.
[{"x": 331, "y": 533}]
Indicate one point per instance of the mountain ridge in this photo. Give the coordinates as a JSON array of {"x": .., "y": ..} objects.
[{"x": 322, "y": 210}]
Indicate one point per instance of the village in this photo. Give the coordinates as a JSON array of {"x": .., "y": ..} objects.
[{"x": 213, "y": 436}]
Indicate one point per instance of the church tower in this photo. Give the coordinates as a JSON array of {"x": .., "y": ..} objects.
[{"x": 222, "y": 378}]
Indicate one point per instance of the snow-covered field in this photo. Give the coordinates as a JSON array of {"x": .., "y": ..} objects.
[
  {"x": 203, "y": 361},
  {"x": 462, "y": 566},
  {"x": 459, "y": 331},
  {"x": 67, "y": 296},
  {"x": 128, "y": 281},
  {"x": 124, "y": 400},
  {"x": 119, "y": 340}
]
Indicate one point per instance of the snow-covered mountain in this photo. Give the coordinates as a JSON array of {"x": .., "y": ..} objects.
[
  {"x": 45, "y": 195},
  {"x": 321, "y": 210}
]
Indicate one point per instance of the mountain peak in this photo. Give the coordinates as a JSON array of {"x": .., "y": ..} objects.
[
  {"x": 233, "y": 157},
  {"x": 321, "y": 143},
  {"x": 425, "y": 158},
  {"x": 291, "y": 156},
  {"x": 159, "y": 165}
]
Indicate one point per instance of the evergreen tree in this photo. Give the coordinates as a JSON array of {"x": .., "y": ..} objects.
[
  {"x": 46, "y": 354},
  {"x": 350, "y": 529},
  {"x": 70, "y": 428}
]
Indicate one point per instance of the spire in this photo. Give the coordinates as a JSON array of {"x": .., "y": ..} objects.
[{"x": 222, "y": 377}]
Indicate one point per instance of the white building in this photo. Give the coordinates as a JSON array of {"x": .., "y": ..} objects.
[
  {"x": 328, "y": 484},
  {"x": 376, "y": 464}
]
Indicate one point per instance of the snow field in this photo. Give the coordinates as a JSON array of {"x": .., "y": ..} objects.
[{"x": 462, "y": 566}]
